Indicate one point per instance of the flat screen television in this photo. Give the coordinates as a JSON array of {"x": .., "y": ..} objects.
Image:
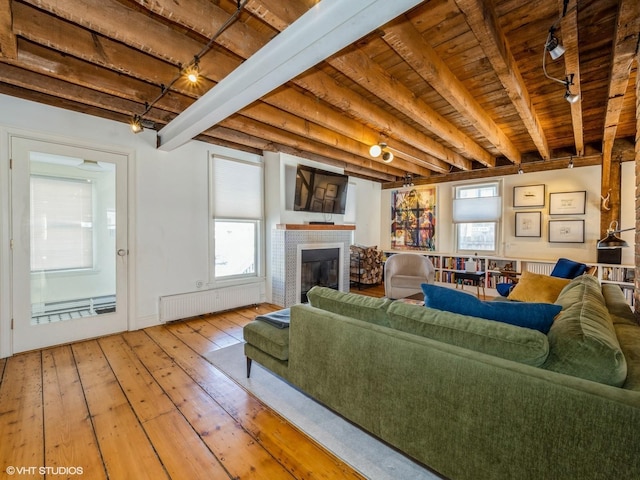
[{"x": 320, "y": 191}]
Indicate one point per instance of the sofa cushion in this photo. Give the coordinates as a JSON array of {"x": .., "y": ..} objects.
[
  {"x": 576, "y": 290},
  {"x": 533, "y": 287},
  {"x": 361, "y": 307},
  {"x": 538, "y": 316},
  {"x": 267, "y": 338},
  {"x": 494, "y": 338},
  {"x": 565, "y": 268},
  {"x": 582, "y": 339}
]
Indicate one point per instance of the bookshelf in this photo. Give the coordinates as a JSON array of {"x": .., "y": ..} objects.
[{"x": 503, "y": 270}]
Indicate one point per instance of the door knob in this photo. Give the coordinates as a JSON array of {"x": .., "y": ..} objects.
[{"x": 122, "y": 252}]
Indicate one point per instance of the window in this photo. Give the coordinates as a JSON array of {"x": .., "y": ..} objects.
[
  {"x": 237, "y": 199},
  {"x": 477, "y": 210},
  {"x": 62, "y": 230}
]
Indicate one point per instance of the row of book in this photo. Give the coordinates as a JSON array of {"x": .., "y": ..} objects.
[{"x": 618, "y": 274}]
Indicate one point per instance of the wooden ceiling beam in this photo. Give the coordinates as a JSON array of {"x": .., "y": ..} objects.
[
  {"x": 244, "y": 42},
  {"x": 65, "y": 33},
  {"x": 60, "y": 92},
  {"x": 320, "y": 113},
  {"x": 206, "y": 18},
  {"x": 345, "y": 99},
  {"x": 287, "y": 100},
  {"x": 260, "y": 144},
  {"x": 8, "y": 42},
  {"x": 284, "y": 121},
  {"x": 386, "y": 124},
  {"x": 114, "y": 20},
  {"x": 114, "y": 55},
  {"x": 63, "y": 90},
  {"x": 569, "y": 30},
  {"x": 365, "y": 72},
  {"x": 539, "y": 166},
  {"x": 45, "y": 29},
  {"x": 625, "y": 47},
  {"x": 302, "y": 45},
  {"x": 407, "y": 42},
  {"x": 275, "y": 135},
  {"x": 481, "y": 18}
]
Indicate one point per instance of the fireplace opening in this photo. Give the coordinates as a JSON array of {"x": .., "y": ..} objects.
[{"x": 319, "y": 266}]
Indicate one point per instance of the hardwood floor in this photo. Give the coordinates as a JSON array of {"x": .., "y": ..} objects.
[{"x": 146, "y": 404}]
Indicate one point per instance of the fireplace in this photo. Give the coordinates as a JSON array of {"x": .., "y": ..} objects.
[
  {"x": 288, "y": 243},
  {"x": 319, "y": 266}
]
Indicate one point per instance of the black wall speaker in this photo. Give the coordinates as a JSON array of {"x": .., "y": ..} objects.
[{"x": 610, "y": 255}]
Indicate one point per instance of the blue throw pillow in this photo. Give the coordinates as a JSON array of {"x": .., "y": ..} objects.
[
  {"x": 566, "y": 268},
  {"x": 537, "y": 316}
]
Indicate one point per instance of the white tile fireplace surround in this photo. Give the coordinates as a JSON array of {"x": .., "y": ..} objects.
[{"x": 287, "y": 243}]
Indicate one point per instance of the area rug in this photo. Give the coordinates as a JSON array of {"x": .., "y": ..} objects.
[{"x": 364, "y": 453}]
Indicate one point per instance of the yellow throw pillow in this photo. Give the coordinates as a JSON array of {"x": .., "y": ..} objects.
[{"x": 533, "y": 287}]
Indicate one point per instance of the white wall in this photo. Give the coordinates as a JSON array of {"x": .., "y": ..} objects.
[
  {"x": 564, "y": 180},
  {"x": 280, "y": 178},
  {"x": 168, "y": 203}
]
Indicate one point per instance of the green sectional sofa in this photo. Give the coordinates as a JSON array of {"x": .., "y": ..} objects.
[{"x": 472, "y": 398}]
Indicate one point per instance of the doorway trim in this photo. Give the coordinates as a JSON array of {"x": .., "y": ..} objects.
[{"x": 6, "y": 229}]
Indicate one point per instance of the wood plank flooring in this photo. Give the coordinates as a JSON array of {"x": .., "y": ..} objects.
[{"x": 147, "y": 405}]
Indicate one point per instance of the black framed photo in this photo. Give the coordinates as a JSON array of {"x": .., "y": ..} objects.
[
  {"x": 567, "y": 203},
  {"x": 529, "y": 196},
  {"x": 566, "y": 231},
  {"x": 528, "y": 224}
]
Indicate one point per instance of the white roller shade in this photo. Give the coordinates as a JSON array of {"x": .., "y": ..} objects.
[
  {"x": 237, "y": 189},
  {"x": 480, "y": 209}
]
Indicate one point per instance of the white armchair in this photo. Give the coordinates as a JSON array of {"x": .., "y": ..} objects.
[{"x": 405, "y": 272}]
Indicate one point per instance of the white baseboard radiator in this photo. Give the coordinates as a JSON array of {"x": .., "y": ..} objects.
[
  {"x": 185, "y": 305},
  {"x": 540, "y": 268}
]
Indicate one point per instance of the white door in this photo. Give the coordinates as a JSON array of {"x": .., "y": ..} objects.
[{"x": 69, "y": 240}]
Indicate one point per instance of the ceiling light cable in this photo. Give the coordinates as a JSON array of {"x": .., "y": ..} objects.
[
  {"x": 191, "y": 66},
  {"x": 556, "y": 50}
]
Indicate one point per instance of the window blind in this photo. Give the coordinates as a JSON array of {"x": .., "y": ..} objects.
[
  {"x": 62, "y": 223},
  {"x": 237, "y": 189},
  {"x": 480, "y": 209}
]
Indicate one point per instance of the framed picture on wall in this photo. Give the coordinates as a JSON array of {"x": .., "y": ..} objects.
[
  {"x": 528, "y": 224},
  {"x": 529, "y": 196},
  {"x": 566, "y": 231},
  {"x": 567, "y": 203}
]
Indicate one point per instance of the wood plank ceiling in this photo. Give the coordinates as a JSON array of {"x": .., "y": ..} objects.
[{"x": 454, "y": 87}]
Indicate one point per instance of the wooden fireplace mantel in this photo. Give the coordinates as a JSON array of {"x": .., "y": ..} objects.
[{"x": 307, "y": 226}]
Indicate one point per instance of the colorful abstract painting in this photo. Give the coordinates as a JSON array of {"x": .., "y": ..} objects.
[{"x": 413, "y": 218}]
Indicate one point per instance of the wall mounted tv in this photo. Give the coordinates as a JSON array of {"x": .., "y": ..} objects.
[{"x": 320, "y": 191}]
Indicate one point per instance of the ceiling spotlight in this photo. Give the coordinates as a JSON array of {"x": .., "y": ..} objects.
[
  {"x": 570, "y": 97},
  {"x": 553, "y": 46},
  {"x": 567, "y": 82},
  {"x": 381, "y": 149},
  {"x": 193, "y": 71},
  {"x": 570, "y": 163},
  {"x": 407, "y": 180},
  {"x": 136, "y": 124},
  {"x": 376, "y": 150},
  {"x": 520, "y": 170}
]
